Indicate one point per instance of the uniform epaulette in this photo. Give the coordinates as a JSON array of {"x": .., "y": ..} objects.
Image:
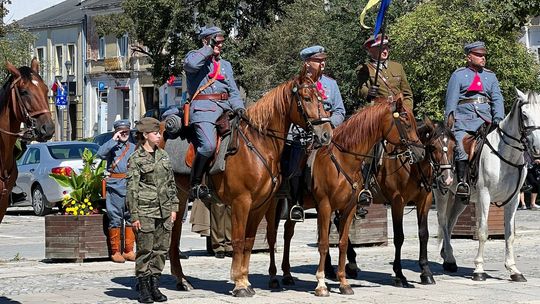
[
  {"x": 460, "y": 69},
  {"x": 488, "y": 70}
]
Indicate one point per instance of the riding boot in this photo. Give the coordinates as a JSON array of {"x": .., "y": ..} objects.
[
  {"x": 154, "y": 289},
  {"x": 145, "y": 295},
  {"x": 197, "y": 171},
  {"x": 129, "y": 253},
  {"x": 296, "y": 213},
  {"x": 114, "y": 239},
  {"x": 463, "y": 189}
]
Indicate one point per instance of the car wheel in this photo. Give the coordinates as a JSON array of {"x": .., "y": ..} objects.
[{"x": 39, "y": 202}]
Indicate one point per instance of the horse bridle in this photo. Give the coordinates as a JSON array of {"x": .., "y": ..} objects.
[
  {"x": 439, "y": 168},
  {"x": 524, "y": 132},
  {"x": 310, "y": 123},
  {"x": 23, "y": 115},
  {"x": 403, "y": 138}
]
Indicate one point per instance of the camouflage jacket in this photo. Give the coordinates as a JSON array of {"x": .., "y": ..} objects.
[{"x": 151, "y": 191}]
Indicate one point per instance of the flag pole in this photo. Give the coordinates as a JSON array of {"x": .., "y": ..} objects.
[{"x": 383, "y": 31}]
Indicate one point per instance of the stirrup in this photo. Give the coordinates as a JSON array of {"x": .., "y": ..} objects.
[
  {"x": 463, "y": 197},
  {"x": 294, "y": 209},
  {"x": 365, "y": 198},
  {"x": 199, "y": 191},
  {"x": 360, "y": 213}
]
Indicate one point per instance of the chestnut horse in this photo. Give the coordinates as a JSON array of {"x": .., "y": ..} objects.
[
  {"x": 252, "y": 174},
  {"x": 336, "y": 177},
  {"x": 23, "y": 99},
  {"x": 436, "y": 168}
]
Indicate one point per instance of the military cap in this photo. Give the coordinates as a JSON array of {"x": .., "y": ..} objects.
[
  {"x": 375, "y": 41},
  {"x": 122, "y": 123},
  {"x": 209, "y": 31},
  {"x": 477, "y": 47},
  {"x": 147, "y": 125},
  {"x": 313, "y": 52}
]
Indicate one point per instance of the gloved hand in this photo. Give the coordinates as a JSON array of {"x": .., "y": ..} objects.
[
  {"x": 240, "y": 112},
  {"x": 373, "y": 91},
  {"x": 496, "y": 121}
]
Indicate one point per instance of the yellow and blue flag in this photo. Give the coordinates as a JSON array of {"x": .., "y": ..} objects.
[{"x": 380, "y": 16}]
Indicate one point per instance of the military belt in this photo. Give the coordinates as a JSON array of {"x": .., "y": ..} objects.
[
  {"x": 117, "y": 175},
  {"x": 474, "y": 100},
  {"x": 215, "y": 96}
]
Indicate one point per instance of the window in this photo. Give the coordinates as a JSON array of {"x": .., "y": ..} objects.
[
  {"x": 123, "y": 46},
  {"x": 72, "y": 58},
  {"x": 32, "y": 157},
  {"x": 101, "y": 50},
  {"x": 40, "y": 53},
  {"x": 59, "y": 60},
  {"x": 71, "y": 151}
]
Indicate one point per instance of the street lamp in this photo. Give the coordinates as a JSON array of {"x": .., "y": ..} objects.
[{"x": 68, "y": 66}]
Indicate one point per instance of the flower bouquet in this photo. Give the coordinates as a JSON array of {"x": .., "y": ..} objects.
[{"x": 86, "y": 186}]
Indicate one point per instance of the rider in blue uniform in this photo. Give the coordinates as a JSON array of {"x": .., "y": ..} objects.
[
  {"x": 473, "y": 98},
  {"x": 211, "y": 89},
  {"x": 314, "y": 58}
]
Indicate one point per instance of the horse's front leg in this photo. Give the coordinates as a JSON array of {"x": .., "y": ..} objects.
[
  {"x": 422, "y": 210},
  {"x": 285, "y": 263},
  {"x": 272, "y": 222},
  {"x": 509, "y": 236},
  {"x": 323, "y": 222},
  {"x": 482, "y": 213},
  {"x": 451, "y": 212},
  {"x": 240, "y": 212},
  {"x": 397, "y": 223},
  {"x": 344, "y": 226},
  {"x": 174, "y": 249}
]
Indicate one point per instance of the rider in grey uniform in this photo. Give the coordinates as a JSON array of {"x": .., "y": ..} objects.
[
  {"x": 473, "y": 98},
  {"x": 314, "y": 58},
  {"x": 212, "y": 89},
  {"x": 116, "y": 152}
]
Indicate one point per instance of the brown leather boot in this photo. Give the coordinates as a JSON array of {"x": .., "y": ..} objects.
[
  {"x": 129, "y": 236},
  {"x": 114, "y": 238}
]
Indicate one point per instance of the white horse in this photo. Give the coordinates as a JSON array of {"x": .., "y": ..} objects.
[{"x": 501, "y": 174}]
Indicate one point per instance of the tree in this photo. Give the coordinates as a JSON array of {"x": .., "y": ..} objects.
[{"x": 429, "y": 42}]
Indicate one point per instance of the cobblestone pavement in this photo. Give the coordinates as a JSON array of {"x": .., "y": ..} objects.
[{"x": 27, "y": 278}]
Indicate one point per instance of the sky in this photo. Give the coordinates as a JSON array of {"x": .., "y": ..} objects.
[{"x": 19, "y": 9}]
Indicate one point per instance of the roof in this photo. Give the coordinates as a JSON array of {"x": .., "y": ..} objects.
[{"x": 64, "y": 13}]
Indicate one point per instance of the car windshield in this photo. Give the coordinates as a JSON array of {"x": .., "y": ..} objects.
[{"x": 70, "y": 151}]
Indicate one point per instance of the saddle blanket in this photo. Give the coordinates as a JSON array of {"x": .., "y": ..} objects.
[{"x": 177, "y": 149}]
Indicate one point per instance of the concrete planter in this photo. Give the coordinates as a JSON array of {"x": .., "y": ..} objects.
[{"x": 75, "y": 237}]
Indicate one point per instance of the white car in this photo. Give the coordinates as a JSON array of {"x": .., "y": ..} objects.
[{"x": 35, "y": 165}]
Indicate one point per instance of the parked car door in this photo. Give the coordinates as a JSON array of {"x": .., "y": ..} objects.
[{"x": 29, "y": 165}]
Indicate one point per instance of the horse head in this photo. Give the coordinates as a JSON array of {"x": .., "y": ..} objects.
[
  {"x": 310, "y": 113},
  {"x": 27, "y": 98},
  {"x": 528, "y": 108},
  {"x": 400, "y": 130},
  {"x": 440, "y": 143}
]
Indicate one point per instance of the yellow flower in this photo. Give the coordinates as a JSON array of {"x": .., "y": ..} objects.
[
  {"x": 81, "y": 212},
  {"x": 91, "y": 208},
  {"x": 75, "y": 208},
  {"x": 83, "y": 206},
  {"x": 86, "y": 200},
  {"x": 89, "y": 203},
  {"x": 73, "y": 202},
  {"x": 66, "y": 197}
]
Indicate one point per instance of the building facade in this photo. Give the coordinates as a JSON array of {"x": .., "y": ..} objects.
[{"x": 531, "y": 37}]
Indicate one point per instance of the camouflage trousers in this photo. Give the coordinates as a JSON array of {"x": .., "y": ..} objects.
[{"x": 153, "y": 240}]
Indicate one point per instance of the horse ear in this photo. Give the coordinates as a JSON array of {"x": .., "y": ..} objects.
[
  {"x": 429, "y": 123},
  {"x": 399, "y": 105},
  {"x": 12, "y": 69},
  {"x": 521, "y": 95},
  {"x": 450, "y": 121},
  {"x": 35, "y": 65}
]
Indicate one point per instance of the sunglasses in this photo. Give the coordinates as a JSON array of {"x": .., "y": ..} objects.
[{"x": 478, "y": 54}]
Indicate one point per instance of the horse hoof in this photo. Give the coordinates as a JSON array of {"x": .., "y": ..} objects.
[
  {"x": 322, "y": 292},
  {"x": 251, "y": 290},
  {"x": 427, "y": 280},
  {"x": 450, "y": 267},
  {"x": 184, "y": 285},
  {"x": 346, "y": 290},
  {"x": 518, "y": 277},
  {"x": 288, "y": 281},
  {"x": 351, "y": 271},
  {"x": 402, "y": 283},
  {"x": 479, "y": 276},
  {"x": 242, "y": 293},
  {"x": 274, "y": 284}
]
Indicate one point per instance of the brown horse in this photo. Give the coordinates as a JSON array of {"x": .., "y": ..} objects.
[
  {"x": 402, "y": 183},
  {"x": 23, "y": 99},
  {"x": 252, "y": 174},
  {"x": 336, "y": 177},
  {"x": 437, "y": 169}
]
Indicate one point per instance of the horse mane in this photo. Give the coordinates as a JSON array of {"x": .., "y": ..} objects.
[
  {"x": 272, "y": 104},
  {"x": 26, "y": 74},
  {"x": 426, "y": 134},
  {"x": 359, "y": 126}
]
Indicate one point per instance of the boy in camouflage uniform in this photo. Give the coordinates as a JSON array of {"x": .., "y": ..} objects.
[{"x": 153, "y": 205}]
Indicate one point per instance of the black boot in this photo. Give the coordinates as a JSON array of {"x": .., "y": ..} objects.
[
  {"x": 154, "y": 289},
  {"x": 463, "y": 189},
  {"x": 197, "y": 171},
  {"x": 296, "y": 212},
  {"x": 144, "y": 290}
]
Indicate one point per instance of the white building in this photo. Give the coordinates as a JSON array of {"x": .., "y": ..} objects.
[{"x": 531, "y": 37}]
